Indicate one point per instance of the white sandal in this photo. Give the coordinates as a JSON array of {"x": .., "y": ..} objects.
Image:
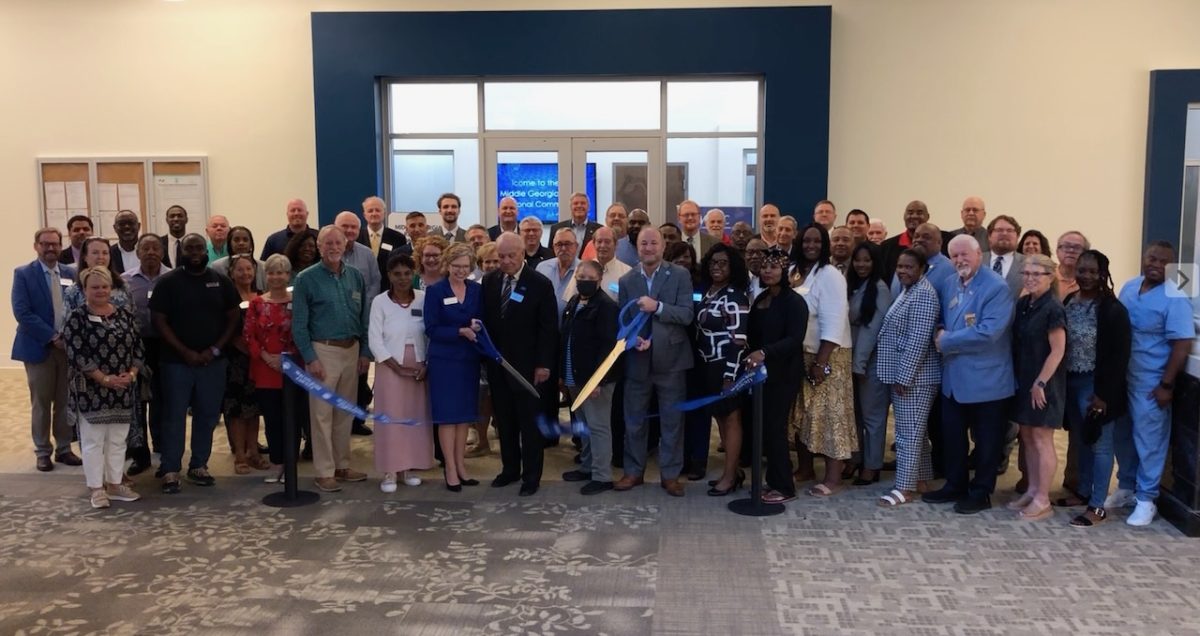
[{"x": 894, "y": 498}]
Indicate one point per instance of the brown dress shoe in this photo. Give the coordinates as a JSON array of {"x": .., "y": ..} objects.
[
  {"x": 68, "y": 458},
  {"x": 327, "y": 484},
  {"x": 348, "y": 474},
  {"x": 673, "y": 487},
  {"x": 44, "y": 464},
  {"x": 629, "y": 482}
]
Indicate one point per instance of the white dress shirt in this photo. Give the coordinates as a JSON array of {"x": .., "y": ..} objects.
[
  {"x": 393, "y": 327},
  {"x": 828, "y": 308}
]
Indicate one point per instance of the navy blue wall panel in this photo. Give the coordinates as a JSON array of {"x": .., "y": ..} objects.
[
  {"x": 788, "y": 46},
  {"x": 1170, "y": 94}
]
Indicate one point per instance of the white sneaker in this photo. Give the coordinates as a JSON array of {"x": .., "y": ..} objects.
[
  {"x": 389, "y": 483},
  {"x": 1120, "y": 498},
  {"x": 99, "y": 498},
  {"x": 411, "y": 480},
  {"x": 1143, "y": 514},
  {"x": 121, "y": 492}
]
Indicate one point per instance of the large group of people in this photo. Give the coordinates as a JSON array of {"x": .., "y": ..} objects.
[{"x": 979, "y": 341}]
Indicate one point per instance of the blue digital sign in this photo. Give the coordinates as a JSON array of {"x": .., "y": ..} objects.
[{"x": 535, "y": 187}]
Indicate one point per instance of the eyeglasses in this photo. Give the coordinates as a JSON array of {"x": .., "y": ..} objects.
[
  {"x": 49, "y": 244},
  {"x": 1032, "y": 274},
  {"x": 1070, "y": 247},
  {"x": 564, "y": 244}
]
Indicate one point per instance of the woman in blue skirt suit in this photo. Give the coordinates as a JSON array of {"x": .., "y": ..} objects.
[{"x": 453, "y": 310}]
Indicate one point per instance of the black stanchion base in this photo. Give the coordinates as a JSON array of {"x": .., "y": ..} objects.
[
  {"x": 281, "y": 500},
  {"x": 751, "y": 507}
]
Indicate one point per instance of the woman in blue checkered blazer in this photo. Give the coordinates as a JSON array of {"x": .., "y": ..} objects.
[{"x": 908, "y": 361}]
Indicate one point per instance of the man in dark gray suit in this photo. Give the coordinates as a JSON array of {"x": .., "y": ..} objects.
[
  {"x": 578, "y": 223},
  {"x": 689, "y": 224},
  {"x": 662, "y": 354},
  {"x": 1003, "y": 233}
]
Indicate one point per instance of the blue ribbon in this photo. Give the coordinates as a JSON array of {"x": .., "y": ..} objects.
[
  {"x": 744, "y": 381},
  {"x": 313, "y": 386}
]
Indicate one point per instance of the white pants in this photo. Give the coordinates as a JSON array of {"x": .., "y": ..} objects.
[{"x": 103, "y": 447}]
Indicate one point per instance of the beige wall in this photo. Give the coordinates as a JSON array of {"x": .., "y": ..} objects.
[{"x": 1037, "y": 105}]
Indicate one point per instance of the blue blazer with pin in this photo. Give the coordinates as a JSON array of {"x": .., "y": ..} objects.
[
  {"x": 34, "y": 310},
  {"x": 976, "y": 346}
]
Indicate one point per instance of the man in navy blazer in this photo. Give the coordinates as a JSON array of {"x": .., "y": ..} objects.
[
  {"x": 662, "y": 355},
  {"x": 977, "y": 376},
  {"x": 37, "y": 301}
]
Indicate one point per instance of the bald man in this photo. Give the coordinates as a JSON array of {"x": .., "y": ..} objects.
[
  {"x": 297, "y": 221},
  {"x": 506, "y": 214},
  {"x": 218, "y": 235},
  {"x": 376, "y": 235},
  {"x": 768, "y": 221},
  {"x": 973, "y": 213}
]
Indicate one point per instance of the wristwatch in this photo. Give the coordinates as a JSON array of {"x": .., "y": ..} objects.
[
  {"x": 215, "y": 351},
  {"x": 1040, "y": 384}
]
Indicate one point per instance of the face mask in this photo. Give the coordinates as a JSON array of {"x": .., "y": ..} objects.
[{"x": 587, "y": 288}]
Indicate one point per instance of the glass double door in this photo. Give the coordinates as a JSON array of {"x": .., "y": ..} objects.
[{"x": 542, "y": 173}]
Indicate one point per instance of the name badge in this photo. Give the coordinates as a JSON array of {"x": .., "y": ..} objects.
[
  {"x": 614, "y": 288},
  {"x": 212, "y": 284},
  {"x": 970, "y": 319},
  {"x": 356, "y": 296},
  {"x": 450, "y": 300},
  {"x": 516, "y": 297},
  {"x": 149, "y": 294},
  {"x": 417, "y": 313},
  {"x": 95, "y": 319},
  {"x": 244, "y": 305},
  {"x": 697, "y": 297},
  {"x": 289, "y": 306},
  {"x": 803, "y": 290},
  {"x": 65, "y": 282},
  {"x": 385, "y": 246},
  {"x": 289, "y": 289},
  {"x": 954, "y": 302}
]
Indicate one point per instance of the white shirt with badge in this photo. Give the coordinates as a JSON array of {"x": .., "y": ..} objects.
[
  {"x": 393, "y": 327},
  {"x": 828, "y": 308}
]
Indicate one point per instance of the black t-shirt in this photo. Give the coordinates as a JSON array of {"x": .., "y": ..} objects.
[{"x": 196, "y": 308}]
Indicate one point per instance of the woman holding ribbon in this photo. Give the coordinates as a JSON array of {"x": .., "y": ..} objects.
[{"x": 453, "y": 311}]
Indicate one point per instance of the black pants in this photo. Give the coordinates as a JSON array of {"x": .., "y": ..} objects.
[
  {"x": 987, "y": 422},
  {"x": 934, "y": 431},
  {"x": 778, "y": 398},
  {"x": 150, "y": 413},
  {"x": 618, "y": 424},
  {"x": 270, "y": 404},
  {"x": 515, "y": 412}
]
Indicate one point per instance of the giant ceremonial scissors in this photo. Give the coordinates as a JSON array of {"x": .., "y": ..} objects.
[
  {"x": 626, "y": 340},
  {"x": 483, "y": 342}
]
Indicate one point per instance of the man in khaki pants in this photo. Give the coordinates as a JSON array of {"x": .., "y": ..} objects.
[{"x": 330, "y": 312}]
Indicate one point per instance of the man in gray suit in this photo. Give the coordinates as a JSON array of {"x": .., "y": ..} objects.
[
  {"x": 662, "y": 354},
  {"x": 689, "y": 224},
  {"x": 1003, "y": 258}
]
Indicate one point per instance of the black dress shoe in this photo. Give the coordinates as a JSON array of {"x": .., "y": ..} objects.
[
  {"x": 576, "y": 475},
  {"x": 941, "y": 496},
  {"x": 972, "y": 505},
  {"x": 503, "y": 480},
  {"x": 360, "y": 429},
  {"x": 695, "y": 469},
  {"x": 69, "y": 458},
  {"x": 527, "y": 490},
  {"x": 595, "y": 487},
  {"x": 454, "y": 488},
  {"x": 137, "y": 467},
  {"x": 44, "y": 464},
  {"x": 468, "y": 482}
]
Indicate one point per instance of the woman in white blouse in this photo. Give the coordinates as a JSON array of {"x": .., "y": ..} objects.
[
  {"x": 397, "y": 339},
  {"x": 823, "y": 421}
]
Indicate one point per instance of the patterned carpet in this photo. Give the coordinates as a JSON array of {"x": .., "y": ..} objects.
[{"x": 427, "y": 561}]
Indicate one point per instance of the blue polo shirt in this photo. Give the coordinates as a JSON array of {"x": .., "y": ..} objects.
[{"x": 1156, "y": 319}]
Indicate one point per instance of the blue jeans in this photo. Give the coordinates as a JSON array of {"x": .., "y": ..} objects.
[
  {"x": 202, "y": 389},
  {"x": 1095, "y": 461},
  {"x": 1145, "y": 443}
]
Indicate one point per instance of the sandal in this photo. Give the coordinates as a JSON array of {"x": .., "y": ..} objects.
[
  {"x": 894, "y": 499},
  {"x": 823, "y": 491},
  {"x": 776, "y": 497},
  {"x": 258, "y": 462},
  {"x": 1020, "y": 503},
  {"x": 1092, "y": 517},
  {"x": 241, "y": 468},
  {"x": 1036, "y": 516}
]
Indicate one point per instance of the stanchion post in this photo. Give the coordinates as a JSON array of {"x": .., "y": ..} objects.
[
  {"x": 754, "y": 506},
  {"x": 292, "y": 496}
]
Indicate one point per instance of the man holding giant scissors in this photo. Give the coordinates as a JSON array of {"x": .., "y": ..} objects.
[
  {"x": 664, "y": 292},
  {"x": 521, "y": 314}
]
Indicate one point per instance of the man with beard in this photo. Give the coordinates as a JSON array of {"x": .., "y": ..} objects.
[
  {"x": 122, "y": 255},
  {"x": 79, "y": 229},
  {"x": 1003, "y": 258},
  {"x": 177, "y": 220},
  {"x": 195, "y": 312},
  {"x": 627, "y": 245},
  {"x": 449, "y": 206}
]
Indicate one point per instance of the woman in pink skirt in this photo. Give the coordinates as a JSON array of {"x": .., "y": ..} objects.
[{"x": 397, "y": 338}]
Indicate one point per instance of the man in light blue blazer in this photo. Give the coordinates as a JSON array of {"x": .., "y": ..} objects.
[
  {"x": 37, "y": 301},
  {"x": 663, "y": 353},
  {"x": 977, "y": 376}
]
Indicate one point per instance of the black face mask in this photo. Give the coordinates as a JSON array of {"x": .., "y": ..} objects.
[{"x": 587, "y": 288}]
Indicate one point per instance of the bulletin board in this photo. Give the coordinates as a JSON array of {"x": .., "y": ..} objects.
[{"x": 100, "y": 187}]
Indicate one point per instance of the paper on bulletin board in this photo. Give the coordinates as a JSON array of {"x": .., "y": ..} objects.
[
  {"x": 107, "y": 193},
  {"x": 108, "y": 219},
  {"x": 129, "y": 197},
  {"x": 57, "y": 218},
  {"x": 184, "y": 190},
  {"x": 56, "y": 195},
  {"x": 76, "y": 195}
]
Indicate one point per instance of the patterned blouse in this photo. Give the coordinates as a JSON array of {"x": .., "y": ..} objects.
[
  {"x": 267, "y": 326},
  {"x": 721, "y": 320},
  {"x": 1081, "y": 336},
  {"x": 110, "y": 344}
]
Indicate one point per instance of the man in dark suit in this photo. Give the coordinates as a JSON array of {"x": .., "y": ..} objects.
[
  {"x": 915, "y": 213},
  {"x": 449, "y": 207},
  {"x": 531, "y": 236},
  {"x": 579, "y": 223},
  {"x": 79, "y": 229},
  {"x": 689, "y": 225},
  {"x": 506, "y": 212},
  {"x": 122, "y": 255},
  {"x": 1003, "y": 258},
  {"x": 521, "y": 315},
  {"x": 297, "y": 221},
  {"x": 662, "y": 355},
  {"x": 37, "y": 302},
  {"x": 382, "y": 239},
  {"x": 177, "y": 220}
]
